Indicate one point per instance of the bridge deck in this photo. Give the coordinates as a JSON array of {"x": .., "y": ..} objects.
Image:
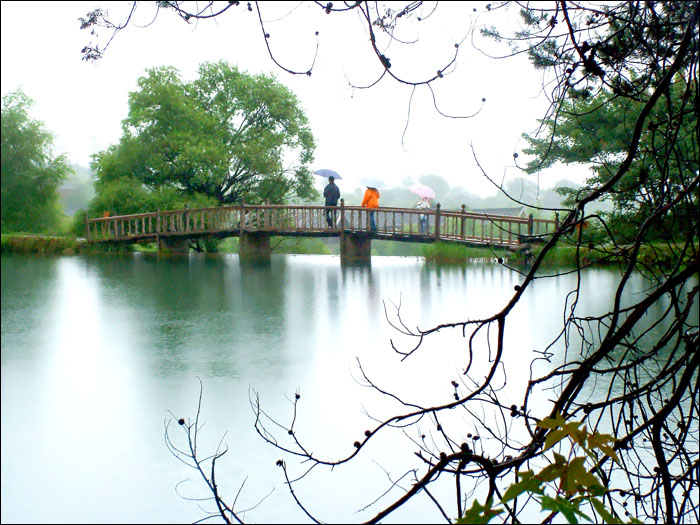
[{"x": 397, "y": 224}]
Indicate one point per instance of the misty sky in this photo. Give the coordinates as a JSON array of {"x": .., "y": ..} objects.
[{"x": 388, "y": 131}]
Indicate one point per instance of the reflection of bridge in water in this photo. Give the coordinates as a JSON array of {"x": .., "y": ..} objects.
[{"x": 255, "y": 224}]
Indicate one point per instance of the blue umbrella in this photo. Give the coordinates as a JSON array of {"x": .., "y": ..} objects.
[{"x": 327, "y": 173}]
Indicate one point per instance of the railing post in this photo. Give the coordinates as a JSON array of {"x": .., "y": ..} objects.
[
  {"x": 556, "y": 221},
  {"x": 158, "y": 229},
  {"x": 437, "y": 221},
  {"x": 241, "y": 219},
  {"x": 342, "y": 218},
  {"x": 463, "y": 228},
  {"x": 530, "y": 224},
  {"x": 87, "y": 228}
]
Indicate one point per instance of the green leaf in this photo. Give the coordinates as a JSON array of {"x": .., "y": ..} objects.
[
  {"x": 603, "y": 512},
  {"x": 569, "y": 508},
  {"x": 552, "y": 423},
  {"x": 595, "y": 440},
  {"x": 579, "y": 475},
  {"x": 577, "y": 435},
  {"x": 554, "y": 437},
  {"x": 608, "y": 451},
  {"x": 597, "y": 490},
  {"x": 479, "y": 514},
  {"x": 552, "y": 472},
  {"x": 559, "y": 459},
  {"x": 528, "y": 484}
]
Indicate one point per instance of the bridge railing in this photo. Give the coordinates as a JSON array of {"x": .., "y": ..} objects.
[
  {"x": 481, "y": 228},
  {"x": 395, "y": 223},
  {"x": 460, "y": 225},
  {"x": 149, "y": 226}
]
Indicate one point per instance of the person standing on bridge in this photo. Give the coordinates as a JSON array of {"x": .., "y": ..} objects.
[
  {"x": 332, "y": 194},
  {"x": 371, "y": 201},
  {"x": 423, "y": 204}
]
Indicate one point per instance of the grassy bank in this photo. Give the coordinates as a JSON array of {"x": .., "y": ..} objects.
[
  {"x": 444, "y": 252},
  {"x": 42, "y": 244},
  {"x": 654, "y": 255}
]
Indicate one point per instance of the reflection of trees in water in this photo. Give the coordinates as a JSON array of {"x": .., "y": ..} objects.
[
  {"x": 23, "y": 287},
  {"x": 226, "y": 312},
  {"x": 261, "y": 292},
  {"x": 360, "y": 273}
]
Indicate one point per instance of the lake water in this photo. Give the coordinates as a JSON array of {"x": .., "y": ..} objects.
[{"x": 98, "y": 351}]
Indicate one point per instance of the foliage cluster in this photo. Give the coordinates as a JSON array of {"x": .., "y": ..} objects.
[
  {"x": 596, "y": 127},
  {"x": 445, "y": 252},
  {"x": 650, "y": 257},
  {"x": 31, "y": 173},
  {"x": 41, "y": 244},
  {"x": 574, "y": 485},
  {"x": 223, "y": 138}
]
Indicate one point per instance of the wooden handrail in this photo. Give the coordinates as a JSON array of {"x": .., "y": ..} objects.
[{"x": 393, "y": 223}]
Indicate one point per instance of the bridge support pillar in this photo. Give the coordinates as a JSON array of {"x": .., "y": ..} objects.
[
  {"x": 355, "y": 248},
  {"x": 254, "y": 244},
  {"x": 174, "y": 245}
]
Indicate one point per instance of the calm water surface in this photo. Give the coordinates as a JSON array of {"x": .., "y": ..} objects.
[{"x": 96, "y": 352}]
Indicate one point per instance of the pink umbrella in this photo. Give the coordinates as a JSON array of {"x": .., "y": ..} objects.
[{"x": 423, "y": 191}]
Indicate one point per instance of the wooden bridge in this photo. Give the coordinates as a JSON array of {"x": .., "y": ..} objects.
[{"x": 255, "y": 224}]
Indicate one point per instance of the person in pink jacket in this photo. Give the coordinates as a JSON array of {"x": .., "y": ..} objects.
[{"x": 371, "y": 201}]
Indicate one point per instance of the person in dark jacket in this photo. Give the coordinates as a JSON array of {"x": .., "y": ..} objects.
[{"x": 332, "y": 194}]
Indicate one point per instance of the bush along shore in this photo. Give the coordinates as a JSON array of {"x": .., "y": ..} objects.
[
  {"x": 445, "y": 252},
  {"x": 43, "y": 244},
  {"x": 654, "y": 255}
]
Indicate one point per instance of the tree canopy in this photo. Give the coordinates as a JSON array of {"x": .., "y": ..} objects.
[
  {"x": 226, "y": 136},
  {"x": 31, "y": 173},
  {"x": 597, "y": 130}
]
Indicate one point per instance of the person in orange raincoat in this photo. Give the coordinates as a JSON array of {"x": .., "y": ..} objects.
[{"x": 371, "y": 201}]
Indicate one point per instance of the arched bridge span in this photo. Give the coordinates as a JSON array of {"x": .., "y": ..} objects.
[{"x": 254, "y": 224}]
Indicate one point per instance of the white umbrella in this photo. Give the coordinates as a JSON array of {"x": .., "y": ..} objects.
[
  {"x": 373, "y": 182},
  {"x": 423, "y": 191}
]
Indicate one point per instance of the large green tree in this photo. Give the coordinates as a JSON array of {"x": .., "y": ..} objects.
[
  {"x": 596, "y": 130},
  {"x": 226, "y": 136},
  {"x": 31, "y": 172}
]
